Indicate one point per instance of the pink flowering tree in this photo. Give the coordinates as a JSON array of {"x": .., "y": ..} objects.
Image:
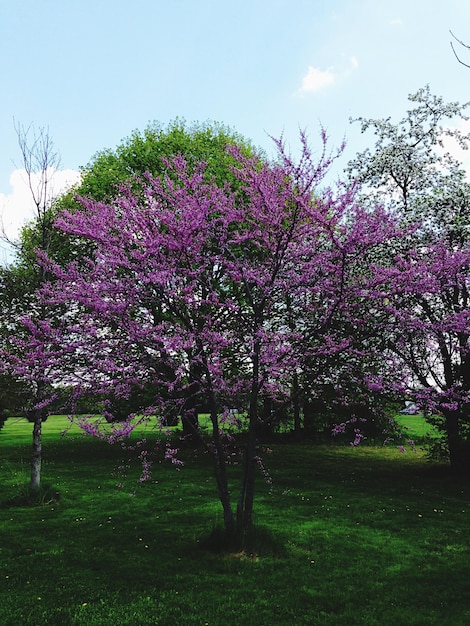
[
  {"x": 426, "y": 323},
  {"x": 219, "y": 293}
]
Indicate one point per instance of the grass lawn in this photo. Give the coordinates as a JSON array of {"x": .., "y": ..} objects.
[
  {"x": 416, "y": 427},
  {"x": 347, "y": 536}
]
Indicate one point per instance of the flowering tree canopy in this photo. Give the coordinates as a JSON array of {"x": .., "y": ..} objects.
[{"x": 219, "y": 292}]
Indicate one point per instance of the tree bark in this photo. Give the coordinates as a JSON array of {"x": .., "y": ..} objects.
[
  {"x": 191, "y": 408},
  {"x": 190, "y": 423},
  {"x": 459, "y": 449},
  {"x": 247, "y": 488},
  {"x": 220, "y": 471},
  {"x": 36, "y": 459},
  {"x": 296, "y": 405},
  {"x": 309, "y": 414}
]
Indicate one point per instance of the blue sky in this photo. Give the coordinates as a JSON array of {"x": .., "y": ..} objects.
[{"x": 92, "y": 71}]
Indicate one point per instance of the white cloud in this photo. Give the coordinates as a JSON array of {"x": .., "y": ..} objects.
[
  {"x": 455, "y": 150},
  {"x": 17, "y": 207},
  {"x": 316, "y": 79}
]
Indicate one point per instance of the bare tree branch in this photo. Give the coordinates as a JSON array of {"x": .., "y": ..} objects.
[
  {"x": 455, "y": 53},
  {"x": 40, "y": 161},
  {"x": 39, "y": 158}
]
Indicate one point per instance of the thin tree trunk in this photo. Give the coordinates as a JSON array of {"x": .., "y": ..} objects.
[
  {"x": 247, "y": 488},
  {"x": 247, "y": 492},
  {"x": 308, "y": 416},
  {"x": 36, "y": 459},
  {"x": 296, "y": 405},
  {"x": 224, "y": 496},
  {"x": 218, "y": 452},
  {"x": 190, "y": 417},
  {"x": 220, "y": 470}
]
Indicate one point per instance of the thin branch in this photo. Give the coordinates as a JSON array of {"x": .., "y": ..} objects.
[
  {"x": 40, "y": 161},
  {"x": 455, "y": 53},
  {"x": 39, "y": 158}
]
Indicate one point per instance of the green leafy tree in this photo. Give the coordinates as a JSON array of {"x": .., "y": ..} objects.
[{"x": 151, "y": 151}]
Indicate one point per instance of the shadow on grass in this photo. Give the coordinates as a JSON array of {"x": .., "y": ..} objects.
[
  {"x": 342, "y": 536},
  {"x": 46, "y": 496},
  {"x": 257, "y": 541}
]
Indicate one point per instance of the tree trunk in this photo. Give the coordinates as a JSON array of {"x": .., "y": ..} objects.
[
  {"x": 191, "y": 408},
  {"x": 220, "y": 471},
  {"x": 459, "y": 449},
  {"x": 296, "y": 405},
  {"x": 309, "y": 415},
  {"x": 190, "y": 423},
  {"x": 35, "y": 481},
  {"x": 247, "y": 488},
  {"x": 224, "y": 497}
]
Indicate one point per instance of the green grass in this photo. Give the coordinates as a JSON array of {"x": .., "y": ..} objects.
[
  {"x": 415, "y": 426},
  {"x": 345, "y": 536}
]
